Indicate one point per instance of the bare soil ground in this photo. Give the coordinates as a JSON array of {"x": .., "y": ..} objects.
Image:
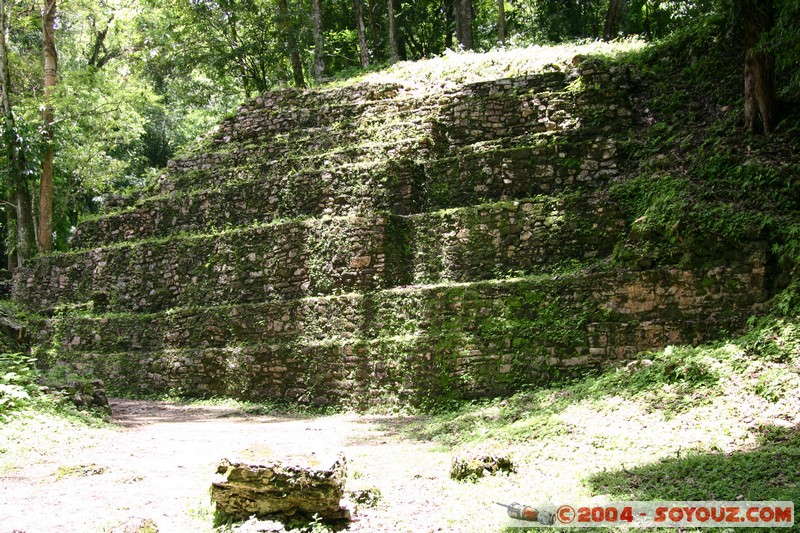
[{"x": 159, "y": 460}]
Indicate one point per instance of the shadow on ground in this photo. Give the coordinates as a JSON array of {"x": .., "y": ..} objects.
[{"x": 770, "y": 471}]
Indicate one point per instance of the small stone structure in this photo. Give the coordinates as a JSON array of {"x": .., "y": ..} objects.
[
  {"x": 308, "y": 484},
  {"x": 85, "y": 394},
  {"x": 477, "y": 465}
]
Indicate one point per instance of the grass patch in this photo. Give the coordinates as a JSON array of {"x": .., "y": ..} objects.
[
  {"x": 769, "y": 471},
  {"x": 686, "y": 423},
  {"x": 455, "y": 68},
  {"x": 238, "y": 407},
  {"x": 41, "y": 430}
]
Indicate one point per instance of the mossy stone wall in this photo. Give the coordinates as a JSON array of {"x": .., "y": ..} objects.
[{"x": 380, "y": 244}]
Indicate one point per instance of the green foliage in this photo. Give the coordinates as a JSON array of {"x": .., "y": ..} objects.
[
  {"x": 99, "y": 122},
  {"x": 59, "y": 373},
  {"x": 768, "y": 472},
  {"x": 241, "y": 41},
  {"x": 659, "y": 202},
  {"x": 695, "y": 190},
  {"x": 670, "y": 382},
  {"x": 132, "y": 94},
  {"x": 18, "y": 376},
  {"x": 784, "y": 42}
]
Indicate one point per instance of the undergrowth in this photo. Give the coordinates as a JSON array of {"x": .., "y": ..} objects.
[
  {"x": 699, "y": 186},
  {"x": 17, "y": 381},
  {"x": 455, "y": 68},
  {"x": 763, "y": 364}
]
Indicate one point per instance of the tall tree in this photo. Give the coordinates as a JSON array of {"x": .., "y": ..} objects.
[
  {"x": 319, "y": 40},
  {"x": 14, "y": 152},
  {"x": 501, "y": 22},
  {"x": 362, "y": 37},
  {"x": 45, "y": 234},
  {"x": 291, "y": 41},
  {"x": 463, "y": 13},
  {"x": 394, "y": 54},
  {"x": 449, "y": 22},
  {"x": 760, "y": 98},
  {"x": 373, "y": 26},
  {"x": 615, "y": 10}
]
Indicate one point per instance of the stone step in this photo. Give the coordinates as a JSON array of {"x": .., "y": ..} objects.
[
  {"x": 357, "y": 190},
  {"x": 468, "y": 121},
  {"x": 409, "y": 370},
  {"x": 506, "y": 239},
  {"x": 518, "y": 167},
  {"x": 212, "y": 171},
  {"x": 281, "y": 111},
  {"x": 409, "y": 345},
  {"x": 276, "y": 261},
  {"x": 286, "y": 161},
  {"x": 323, "y": 256},
  {"x": 547, "y": 307},
  {"x": 479, "y": 112},
  {"x": 261, "y": 194},
  {"x": 368, "y": 135}
]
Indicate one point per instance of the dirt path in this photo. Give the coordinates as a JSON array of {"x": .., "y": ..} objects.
[{"x": 160, "y": 461}]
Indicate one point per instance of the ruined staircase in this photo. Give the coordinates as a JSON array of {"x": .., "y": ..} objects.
[{"x": 379, "y": 244}]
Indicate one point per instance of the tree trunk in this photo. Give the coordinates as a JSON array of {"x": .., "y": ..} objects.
[
  {"x": 294, "y": 55},
  {"x": 463, "y": 13},
  {"x": 394, "y": 54},
  {"x": 297, "y": 69},
  {"x": 99, "y": 55},
  {"x": 45, "y": 234},
  {"x": 319, "y": 41},
  {"x": 373, "y": 26},
  {"x": 16, "y": 157},
  {"x": 501, "y": 22},
  {"x": 615, "y": 10},
  {"x": 26, "y": 239},
  {"x": 760, "y": 96},
  {"x": 362, "y": 34},
  {"x": 11, "y": 222},
  {"x": 249, "y": 79},
  {"x": 449, "y": 22},
  {"x": 401, "y": 45}
]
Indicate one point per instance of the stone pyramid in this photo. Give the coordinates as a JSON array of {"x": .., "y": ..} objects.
[{"x": 381, "y": 244}]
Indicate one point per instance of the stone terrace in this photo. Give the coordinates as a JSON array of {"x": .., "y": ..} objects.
[{"x": 371, "y": 244}]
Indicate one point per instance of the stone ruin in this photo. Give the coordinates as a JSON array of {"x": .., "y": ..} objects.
[
  {"x": 379, "y": 244},
  {"x": 311, "y": 485},
  {"x": 474, "y": 465},
  {"x": 87, "y": 394}
]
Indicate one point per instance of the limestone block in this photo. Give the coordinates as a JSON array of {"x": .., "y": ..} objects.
[{"x": 304, "y": 483}]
